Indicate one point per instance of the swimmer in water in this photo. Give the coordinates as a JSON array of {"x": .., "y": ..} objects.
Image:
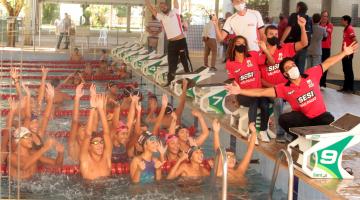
[
  {"x": 88, "y": 71},
  {"x": 193, "y": 169},
  {"x": 172, "y": 142},
  {"x": 145, "y": 168},
  {"x": 76, "y": 55},
  {"x": 236, "y": 173},
  {"x": 127, "y": 93},
  {"x": 95, "y": 153},
  {"x": 29, "y": 159},
  {"x": 74, "y": 79},
  {"x": 170, "y": 109}
]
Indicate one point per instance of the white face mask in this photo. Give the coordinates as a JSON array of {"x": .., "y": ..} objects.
[
  {"x": 240, "y": 6},
  {"x": 294, "y": 73}
]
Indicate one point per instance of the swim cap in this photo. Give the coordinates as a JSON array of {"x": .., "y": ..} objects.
[
  {"x": 192, "y": 150},
  {"x": 169, "y": 138},
  {"x": 20, "y": 133},
  {"x": 121, "y": 126},
  {"x": 146, "y": 136}
]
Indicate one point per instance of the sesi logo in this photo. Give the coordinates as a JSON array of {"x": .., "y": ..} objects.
[
  {"x": 247, "y": 76},
  {"x": 273, "y": 68},
  {"x": 306, "y": 97}
]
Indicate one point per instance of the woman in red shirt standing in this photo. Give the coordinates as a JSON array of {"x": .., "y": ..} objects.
[
  {"x": 326, "y": 44},
  {"x": 243, "y": 66}
]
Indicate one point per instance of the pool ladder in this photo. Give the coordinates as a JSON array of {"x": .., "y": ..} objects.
[
  {"x": 220, "y": 154},
  {"x": 289, "y": 160}
]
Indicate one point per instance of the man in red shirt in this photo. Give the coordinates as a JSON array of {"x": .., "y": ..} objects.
[
  {"x": 326, "y": 44},
  {"x": 302, "y": 91},
  {"x": 349, "y": 37},
  {"x": 271, "y": 74}
]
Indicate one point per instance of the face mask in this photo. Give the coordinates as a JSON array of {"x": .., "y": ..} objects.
[
  {"x": 294, "y": 73},
  {"x": 240, "y": 7},
  {"x": 240, "y": 48},
  {"x": 273, "y": 41}
]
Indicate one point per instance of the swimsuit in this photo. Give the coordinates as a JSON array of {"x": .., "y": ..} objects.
[
  {"x": 119, "y": 154},
  {"x": 148, "y": 175}
]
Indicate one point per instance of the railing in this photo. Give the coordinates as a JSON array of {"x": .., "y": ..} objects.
[
  {"x": 289, "y": 160},
  {"x": 221, "y": 155}
]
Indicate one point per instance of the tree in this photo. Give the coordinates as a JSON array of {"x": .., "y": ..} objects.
[
  {"x": 13, "y": 8},
  {"x": 51, "y": 12},
  {"x": 86, "y": 14}
]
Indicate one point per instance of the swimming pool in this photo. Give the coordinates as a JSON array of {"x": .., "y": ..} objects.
[{"x": 50, "y": 186}]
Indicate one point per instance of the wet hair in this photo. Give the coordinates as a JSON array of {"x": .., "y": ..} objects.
[
  {"x": 270, "y": 27},
  {"x": 76, "y": 49},
  {"x": 95, "y": 135},
  {"x": 230, "y": 52},
  {"x": 316, "y": 18},
  {"x": 55, "y": 82},
  {"x": 303, "y": 8},
  {"x": 231, "y": 150},
  {"x": 152, "y": 96},
  {"x": 281, "y": 16},
  {"x": 283, "y": 62},
  {"x": 346, "y": 18}
]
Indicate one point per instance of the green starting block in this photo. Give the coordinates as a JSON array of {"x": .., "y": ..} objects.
[{"x": 321, "y": 147}]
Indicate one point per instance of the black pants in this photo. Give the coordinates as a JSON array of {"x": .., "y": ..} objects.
[
  {"x": 325, "y": 55},
  {"x": 177, "y": 49},
  {"x": 298, "y": 119},
  {"x": 67, "y": 41},
  {"x": 253, "y": 103},
  {"x": 348, "y": 73}
]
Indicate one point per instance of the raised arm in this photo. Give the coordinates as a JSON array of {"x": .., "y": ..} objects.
[
  {"x": 101, "y": 102},
  {"x": 204, "y": 128},
  {"x": 220, "y": 34},
  {"x": 216, "y": 129},
  {"x": 41, "y": 92},
  {"x": 176, "y": 4},
  {"x": 130, "y": 119},
  {"x": 164, "y": 102},
  {"x": 173, "y": 124},
  {"x": 151, "y": 7},
  {"x": 27, "y": 99},
  {"x": 84, "y": 151},
  {"x": 15, "y": 77},
  {"x": 269, "y": 58},
  {"x": 47, "y": 113},
  {"x": 79, "y": 92},
  {"x": 304, "y": 39},
  {"x": 180, "y": 108},
  {"x": 13, "y": 105},
  {"x": 348, "y": 50},
  {"x": 244, "y": 165},
  {"x": 261, "y": 92},
  {"x": 177, "y": 169}
]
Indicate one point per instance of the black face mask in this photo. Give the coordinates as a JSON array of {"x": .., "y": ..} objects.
[
  {"x": 273, "y": 41},
  {"x": 240, "y": 48}
]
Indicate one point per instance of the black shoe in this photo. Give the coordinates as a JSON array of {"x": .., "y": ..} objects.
[
  {"x": 342, "y": 90},
  {"x": 213, "y": 69}
]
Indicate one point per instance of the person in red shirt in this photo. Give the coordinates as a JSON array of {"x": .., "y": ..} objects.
[
  {"x": 271, "y": 74},
  {"x": 243, "y": 67},
  {"x": 326, "y": 44},
  {"x": 302, "y": 91},
  {"x": 349, "y": 37}
]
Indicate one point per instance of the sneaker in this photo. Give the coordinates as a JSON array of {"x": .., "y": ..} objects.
[
  {"x": 281, "y": 139},
  {"x": 264, "y": 136},
  {"x": 271, "y": 134},
  {"x": 213, "y": 69}
]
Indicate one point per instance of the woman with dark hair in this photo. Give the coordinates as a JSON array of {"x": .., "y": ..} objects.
[{"x": 243, "y": 66}]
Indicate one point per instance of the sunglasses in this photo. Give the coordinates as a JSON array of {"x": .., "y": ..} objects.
[
  {"x": 230, "y": 155},
  {"x": 97, "y": 142}
]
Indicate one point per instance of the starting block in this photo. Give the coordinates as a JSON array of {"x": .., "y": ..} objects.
[
  {"x": 198, "y": 75},
  {"x": 152, "y": 66},
  {"x": 140, "y": 63},
  {"x": 212, "y": 98},
  {"x": 125, "y": 51},
  {"x": 321, "y": 147},
  {"x": 160, "y": 76},
  {"x": 128, "y": 58},
  {"x": 119, "y": 50}
]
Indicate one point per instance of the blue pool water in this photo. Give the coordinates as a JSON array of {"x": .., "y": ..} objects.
[{"x": 49, "y": 186}]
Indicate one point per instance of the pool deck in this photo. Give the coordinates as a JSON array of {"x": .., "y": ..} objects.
[{"x": 338, "y": 104}]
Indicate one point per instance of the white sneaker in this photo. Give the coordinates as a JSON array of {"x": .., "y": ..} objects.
[
  {"x": 264, "y": 136},
  {"x": 271, "y": 134}
]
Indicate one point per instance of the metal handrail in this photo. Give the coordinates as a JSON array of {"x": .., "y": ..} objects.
[
  {"x": 221, "y": 155},
  {"x": 289, "y": 160}
]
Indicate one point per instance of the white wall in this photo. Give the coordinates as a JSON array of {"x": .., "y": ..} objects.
[
  {"x": 314, "y": 6},
  {"x": 275, "y": 8},
  {"x": 336, "y": 47},
  {"x": 343, "y": 7}
]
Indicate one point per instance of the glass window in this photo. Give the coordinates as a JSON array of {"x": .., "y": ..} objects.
[{"x": 136, "y": 18}]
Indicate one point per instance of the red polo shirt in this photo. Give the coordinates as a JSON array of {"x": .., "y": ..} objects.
[
  {"x": 247, "y": 73},
  {"x": 306, "y": 97},
  {"x": 349, "y": 35},
  {"x": 272, "y": 74},
  {"x": 326, "y": 44}
]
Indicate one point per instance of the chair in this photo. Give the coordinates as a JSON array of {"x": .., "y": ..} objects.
[{"x": 103, "y": 37}]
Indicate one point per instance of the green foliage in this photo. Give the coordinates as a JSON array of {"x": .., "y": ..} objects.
[
  {"x": 121, "y": 10},
  {"x": 99, "y": 15},
  {"x": 51, "y": 11}
]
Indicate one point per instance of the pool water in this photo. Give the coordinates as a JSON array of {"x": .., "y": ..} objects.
[{"x": 50, "y": 186}]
